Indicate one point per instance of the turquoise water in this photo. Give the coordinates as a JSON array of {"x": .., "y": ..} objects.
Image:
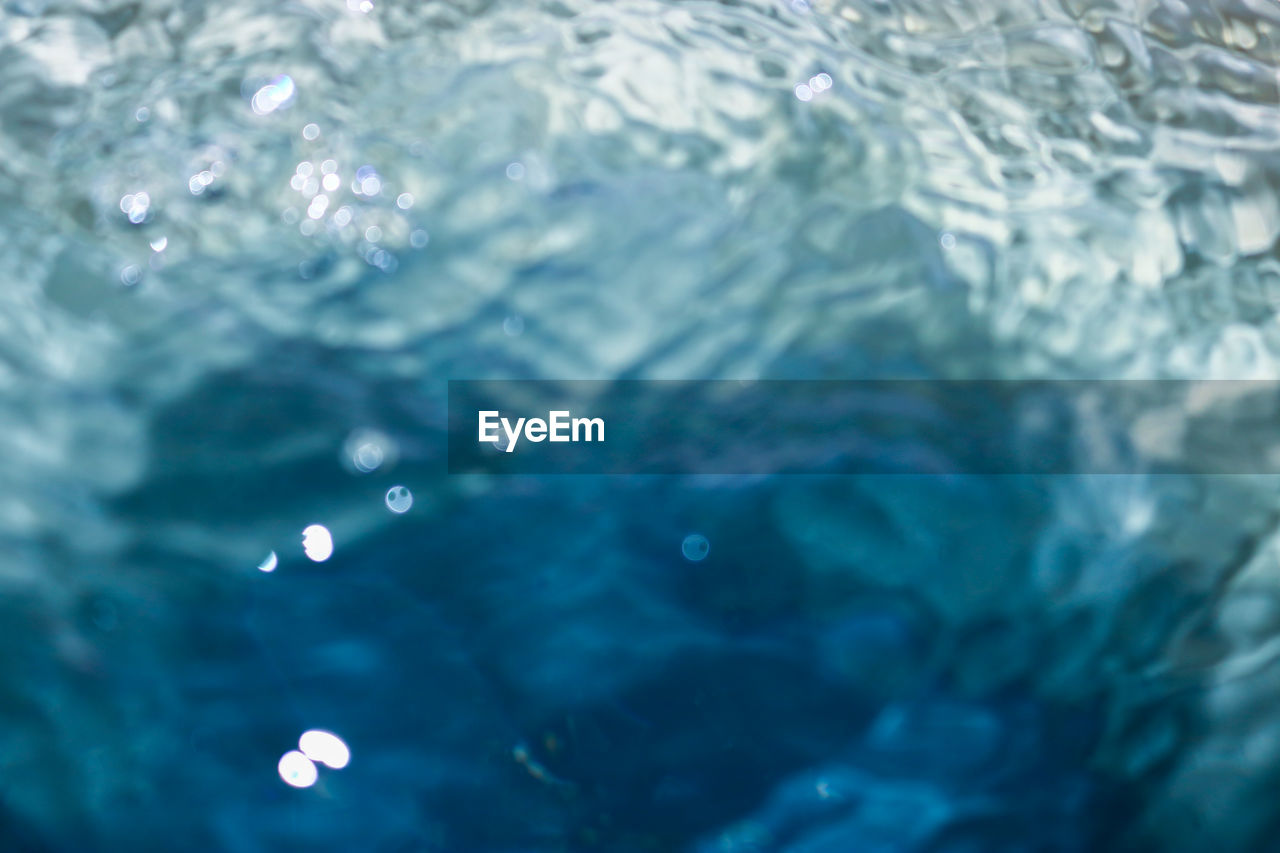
[{"x": 245, "y": 245}]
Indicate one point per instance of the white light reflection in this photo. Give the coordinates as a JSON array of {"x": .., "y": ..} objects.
[
  {"x": 297, "y": 770},
  {"x": 816, "y": 85},
  {"x": 199, "y": 181},
  {"x": 317, "y": 543},
  {"x": 276, "y": 94},
  {"x": 325, "y": 748},
  {"x": 135, "y": 206},
  {"x": 367, "y": 181},
  {"x": 270, "y": 563},
  {"x": 318, "y": 206}
]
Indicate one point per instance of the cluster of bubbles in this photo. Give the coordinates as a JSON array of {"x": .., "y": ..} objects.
[
  {"x": 369, "y": 218},
  {"x": 364, "y": 452},
  {"x": 816, "y": 85},
  {"x": 202, "y": 180},
  {"x": 367, "y": 451},
  {"x": 136, "y": 206},
  {"x": 321, "y": 179},
  {"x": 297, "y": 767},
  {"x": 131, "y": 274}
]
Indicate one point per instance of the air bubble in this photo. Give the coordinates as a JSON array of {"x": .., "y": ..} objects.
[
  {"x": 695, "y": 547},
  {"x": 367, "y": 450},
  {"x": 399, "y": 499}
]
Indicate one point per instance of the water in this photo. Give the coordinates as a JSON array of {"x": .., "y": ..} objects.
[{"x": 244, "y": 245}]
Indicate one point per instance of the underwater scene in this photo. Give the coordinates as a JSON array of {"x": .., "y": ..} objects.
[{"x": 251, "y": 600}]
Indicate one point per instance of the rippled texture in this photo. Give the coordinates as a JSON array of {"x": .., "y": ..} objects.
[{"x": 189, "y": 339}]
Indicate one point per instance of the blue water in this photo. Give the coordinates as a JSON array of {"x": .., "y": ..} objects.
[{"x": 245, "y": 245}]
